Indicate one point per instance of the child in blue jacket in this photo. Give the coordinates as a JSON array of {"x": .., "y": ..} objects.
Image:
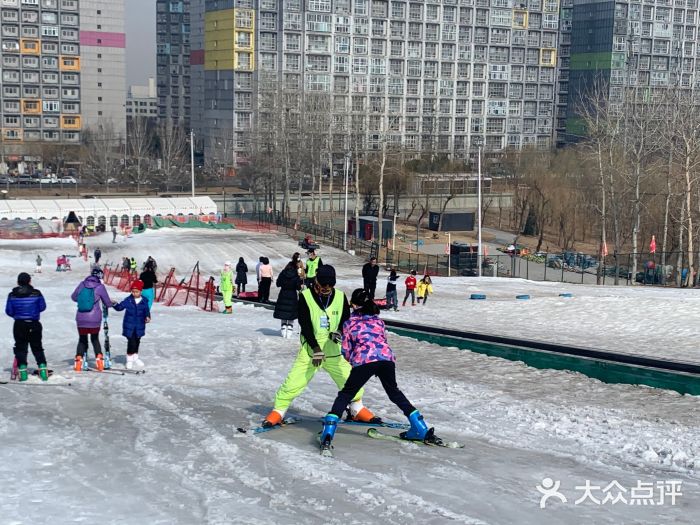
[{"x": 136, "y": 315}]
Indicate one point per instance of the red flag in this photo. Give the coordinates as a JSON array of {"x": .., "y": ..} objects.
[
  {"x": 447, "y": 249},
  {"x": 604, "y": 249},
  {"x": 652, "y": 244}
]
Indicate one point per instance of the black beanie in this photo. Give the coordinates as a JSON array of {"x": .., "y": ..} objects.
[
  {"x": 325, "y": 275},
  {"x": 23, "y": 278}
]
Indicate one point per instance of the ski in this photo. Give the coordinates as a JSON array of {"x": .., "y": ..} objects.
[
  {"x": 38, "y": 373},
  {"x": 134, "y": 372},
  {"x": 14, "y": 373},
  {"x": 27, "y": 383},
  {"x": 434, "y": 441},
  {"x": 291, "y": 420},
  {"x": 110, "y": 372},
  {"x": 383, "y": 424},
  {"x": 105, "y": 327}
]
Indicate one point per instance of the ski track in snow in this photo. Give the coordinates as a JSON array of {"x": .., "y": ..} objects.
[{"x": 162, "y": 448}]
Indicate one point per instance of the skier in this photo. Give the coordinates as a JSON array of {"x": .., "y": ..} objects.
[
  {"x": 90, "y": 295},
  {"x": 410, "y": 283},
  {"x": 38, "y": 264},
  {"x": 425, "y": 288},
  {"x": 241, "y": 276},
  {"x": 133, "y": 266},
  {"x": 322, "y": 311},
  {"x": 25, "y": 304},
  {"x": 312, "y": 265},
  {"x": 392, "y": 300},
  {"x": 266, "y": 276},
  {"x": 114, "y": 234},
  {"x": 226, "y": 287},
  {"x": 126, "y": 265},
  {"x": 287, "y": 305},
  {"x": 136, "y": 317},
  {"x": 60, "y": 262},
  {"x": 98, "y": 254},
  {"x": 370, "y": 271},
  {"x": 150, "y": 263},
  {"x": 366, "y": 349},
  {"x": 149, "y": 279}
]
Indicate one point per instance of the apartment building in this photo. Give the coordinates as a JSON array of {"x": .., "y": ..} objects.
[
  {"x": 142, "y": 101},
  {"x": 173, "y": 60},
  {"x": 50, "y": 73},
  {"x": 450, "y": 76},
  {"x": 103, "y": 63},
  {"x": 624, "y": 45}
]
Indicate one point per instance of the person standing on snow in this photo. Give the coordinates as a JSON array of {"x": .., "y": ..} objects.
[
  {"x": 90, "y": 295},
  {"x": 392, "y": 298},
  {"x": 370, "y": 271},
  {"x": 366, "y": 349},
  {"x": 410, "y": 283},
  {"x": 38, "y": 264},
  {"x": 287, "y": 304},
  {"x": 133, "y": 266},
  {"x": 149, "y": 279},
  {"x": 313, "y": 263},
  {"x": 266, "y": 275},
  {"x": 25, "y": 304},
  {"x": 322, "y": 311},
  {"x": 114, "y": 234},
  {"x": 136, "y": 316},
  {"x": 241, "y": 276},
  {"x": 226, "y": 287},
  {"x": 424, "y": 289},
  {"x": 98, "y": 254}
]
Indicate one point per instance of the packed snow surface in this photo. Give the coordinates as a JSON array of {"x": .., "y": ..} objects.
[{"x": 162, "y": 448}]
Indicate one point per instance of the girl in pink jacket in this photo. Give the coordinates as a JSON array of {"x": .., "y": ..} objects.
[{"x": 366, "y": 349}]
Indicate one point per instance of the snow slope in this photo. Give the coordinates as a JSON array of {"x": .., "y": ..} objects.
[{"x": 162, "y": 448}]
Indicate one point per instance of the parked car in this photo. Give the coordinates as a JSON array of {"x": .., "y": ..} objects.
[
  {"x": 27, "y": 179},
  {"x": 7, "y": 179},
  {"x": 68, "y": 180},
  {"x": 48, "y": 179}
]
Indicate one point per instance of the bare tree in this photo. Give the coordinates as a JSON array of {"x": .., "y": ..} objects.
[
  {"x": 172, "y": 148},
  {"x": 140, "y": 139},
  {"x": 102, "y": 153}
]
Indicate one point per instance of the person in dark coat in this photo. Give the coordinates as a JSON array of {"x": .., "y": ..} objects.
[
  {"x": 241, "y": 276},
  {"x": 370, "y": 271},
  {"x": 149, "y": 279},
  {"x": 98, "y": 255},
  {"x": 286, "y": 308},
  {"x": 136, "y": 316},
  {"x": 25, "y": 304}
]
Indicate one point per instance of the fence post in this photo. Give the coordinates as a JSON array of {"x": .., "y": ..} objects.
[{"x": 546, "y": 256}]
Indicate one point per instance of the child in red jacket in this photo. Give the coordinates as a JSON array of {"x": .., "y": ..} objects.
[{"x": 410, "y": 288}]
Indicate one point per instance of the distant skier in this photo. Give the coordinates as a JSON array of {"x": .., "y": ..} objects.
[
  {"x": 126, "y": 265},
  {"x": 25, "y": 304},
  {"x": 38, "y": 264},
  {"x": 90, "y": 295},
  {"x": 98, "y": 255},
  {"x": 114, "y": 234},
  {"x": 133, "y": 266},
  {"x": 424, "y": 289},
  {"x": 366, "y": 349},
  {"x": 410, "y": 283},
  {"x": 149, "y": 279},
  {"x": 266, "y": 275},
  {"x": 241, "y": 275},
  {"x": 136, "y": 316},
  {"x": 60, "y": 263},
  {"x": 322, "y": 311},
  {"x": 150, "y": 263},
  {"x": 392, "y": 299},
  {"x": 226, "y": 287},
  {"x": 287, "y": 304},
  {"x": 370, "y": 271}
]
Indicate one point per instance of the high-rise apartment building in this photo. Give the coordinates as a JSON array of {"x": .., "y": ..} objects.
[
  {"x": 59, "y": 74},
  {"x": 450, "y": 75},
  {"x": 142, "y": 102},
  {"x": 103, "y": 64},
  {"x": 173, "y": 60},
  {"x": 631, "y": 46}
]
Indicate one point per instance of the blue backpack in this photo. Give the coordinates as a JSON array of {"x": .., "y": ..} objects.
[{"x": 86, "y": 299}]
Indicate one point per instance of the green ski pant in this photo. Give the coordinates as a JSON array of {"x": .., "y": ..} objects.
[
  {"x": 303, "y": 371},
  {"x": 226, "y": 294}
]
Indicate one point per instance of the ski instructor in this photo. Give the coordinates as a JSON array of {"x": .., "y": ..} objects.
[{"x": 322, "y": 312}]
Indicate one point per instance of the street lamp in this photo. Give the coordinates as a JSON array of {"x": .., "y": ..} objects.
[
  {"x": 346, "y": 166},
  {"x": 449, "y": 253},
  {"x": 192, "y": 158},
  {"x": 478, "y": 185}
]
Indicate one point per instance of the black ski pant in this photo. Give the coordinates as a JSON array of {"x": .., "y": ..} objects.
[
  {"x": 132, "y": 345},
  {"x": 28, "y": 333},
  {"x": 83, "y": 344},
  {"x": 241, "y": 287},
  {"x": 386, "y": 372},
  {"x": 264, "y": 289},
  {"x": 412, "y": 294},
  {"x": 370, "y": 288}
]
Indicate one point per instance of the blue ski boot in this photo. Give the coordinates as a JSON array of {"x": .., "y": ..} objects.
[
  {"x": 330, "y": 423},
  {"x": 419, "y": 431}
]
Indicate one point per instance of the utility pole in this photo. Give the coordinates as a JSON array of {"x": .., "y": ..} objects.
[
  {"x": 478, "y": 185},
  {"x": 192, "y": 158},
  {"x": 345, "y": 215}
]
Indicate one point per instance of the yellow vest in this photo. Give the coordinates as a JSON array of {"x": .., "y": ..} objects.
[
  {"x": 333, "y": 312},
  {"x": 311, "y": 267}
]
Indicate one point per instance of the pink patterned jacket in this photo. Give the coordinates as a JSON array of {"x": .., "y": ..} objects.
[{"x": 364, "y": 340}]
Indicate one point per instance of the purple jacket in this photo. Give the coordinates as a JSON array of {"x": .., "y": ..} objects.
[
  {"x": 93, "y": 318},
  {"x": 364, "y": 340}
]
